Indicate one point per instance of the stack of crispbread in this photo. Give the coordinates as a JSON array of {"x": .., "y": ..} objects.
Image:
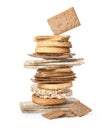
[
  {"x": 53, "y": 47},
  {"x": 54, "y": 76}
]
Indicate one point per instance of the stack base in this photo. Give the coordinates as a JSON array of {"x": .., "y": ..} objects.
[{"x": 30, "y": 107}]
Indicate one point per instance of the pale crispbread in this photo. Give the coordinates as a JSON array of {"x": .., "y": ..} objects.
[
  {"x": 52, "y": 50},
  {"x": 80, "y": 109},
  {"x": 36, "y": 64},
  {"x": 55, "y": 86},
  {"x": 63, "y": 21},
  {"x": 54, "y": 44},
  {"x": 50, "y": 94},
  {"x": 43, "y": 101},
  {"x": 60, "y": 38},
  {"x": 54, "y": 114},
  {"x": 39, "y": 62}
]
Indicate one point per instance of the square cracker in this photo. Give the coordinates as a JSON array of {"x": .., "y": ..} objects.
[
  {"x": 54, "y": 114},
  {"x": 69, "y": 113},
  {"x": 80, "y": 109},
  {"x": 64, "y": 21}
]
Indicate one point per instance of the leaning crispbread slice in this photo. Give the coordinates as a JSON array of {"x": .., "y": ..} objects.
[
  {"x": 64, "y": 21},
  {"x": 80, "y": 109}
]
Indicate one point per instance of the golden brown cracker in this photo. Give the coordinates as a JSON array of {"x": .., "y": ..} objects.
[
  {"x": 42, "y": 101},
  {"x": 55, "y": 86},
  {"x": 52, "y": 50},
  {"x": 53, "y": 74},
  {"x": 60, "y": 38},
  {"x": 54, "y": 44}
]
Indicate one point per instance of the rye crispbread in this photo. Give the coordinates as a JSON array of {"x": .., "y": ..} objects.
[
  {"x": 64, "y": 21},
  {"x": 54, "y": 114},
  {"x": 80, "y": 109}
]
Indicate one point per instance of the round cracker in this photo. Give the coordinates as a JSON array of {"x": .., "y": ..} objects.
[
  {"x": 55, "y": 86},
  {"x": 52, "y": 50},
  {"x": 53, "y": 70},
  {"x": 53, "y": 44},
  {"x": 43, "y": 101},
  {"x": 53, "y": 74},
  {"x": 52, "y": 38}
]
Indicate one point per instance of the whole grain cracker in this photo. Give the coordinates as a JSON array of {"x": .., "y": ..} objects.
[
  {"x": 69, "y": 113},
  {"x": 54, "y": 114},
  {"x": 64, "y": 21},
  {"x": 80, "y": 109}
]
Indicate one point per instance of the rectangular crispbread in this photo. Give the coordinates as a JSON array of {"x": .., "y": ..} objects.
[
  {"x": 80, "y": 109},
  {"x": 69, "y": 113},
  {"x": 54, "y": 114},
  {"x": 63, "y": 21}
]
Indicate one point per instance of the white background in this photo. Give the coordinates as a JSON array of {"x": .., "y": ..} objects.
[{"x": 20, "y": 21}]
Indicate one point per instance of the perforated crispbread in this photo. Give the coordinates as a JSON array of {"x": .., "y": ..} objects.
[
  {"x": 80, "y": 109},
  {"x": 69, "y": 113},
  {"x": 64, "y": 21},
  {"x": 54, "y": 114}
]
